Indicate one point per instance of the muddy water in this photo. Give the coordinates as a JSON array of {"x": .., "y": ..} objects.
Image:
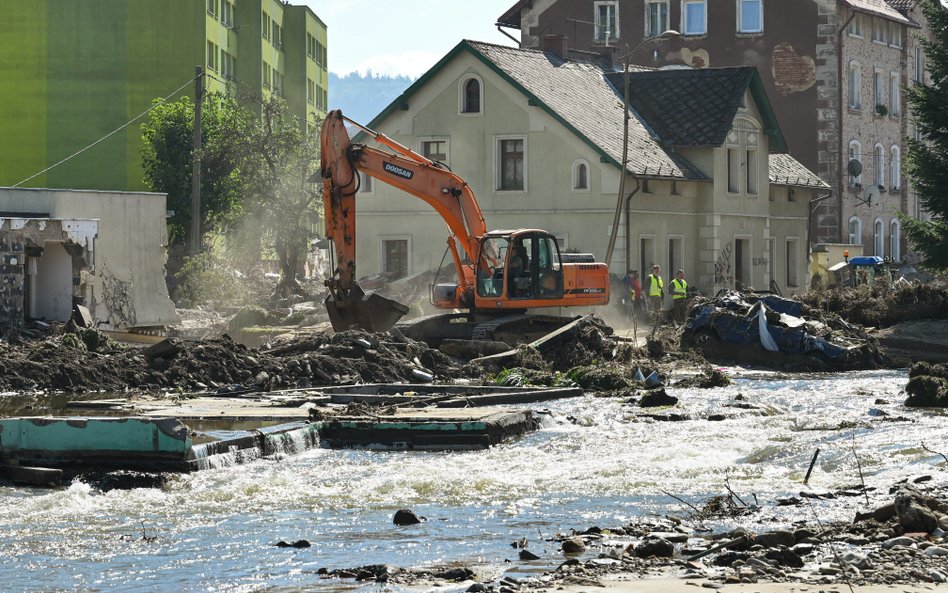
[{"x": 592, "y": 464}]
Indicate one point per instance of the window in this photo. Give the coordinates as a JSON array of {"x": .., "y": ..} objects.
[
  {"x": 855, "y": 26},
  {"x": 265, "y": 25},
  {"x": 227, "y": 13},
  {"x": 510, "y": 164},
  {"x": 879, "y": 238},
  {"x": 741, "y": 155},
  {"x": 656, "y": 17},
  {"x": 750, "y": 16},
  {"x": 212, "y": 8},
  {"x": 855, "y": 81},
  {"x": 471, "y": 96},
  {"x": 895, "y": 95},
  {"x": 855, "y": 154},
  {"x": 895, "y": 34},
  {"x": 366, "y": 184},
  {"x": 895, "y": 240},
  {"x": 228, "y": 65},
  {"x": 919, "y": 64},
  {"x": 751, "y": 163},
  {"x": 212, "y": 59},
  {"x": 395, "y": 257},
  {"x": 694, "y": 17},
  {"x": 855, "y": 231},
  {"x": 792, "y": 278},
  {"x": 878, "y": 86},
  {"x": 435, "y": 150},
  {"x": 878, "y": 165},
  {"x": 267, "y": 76},
  {"x": 310, "y": 91},
  {"x": 879, "y": 27},
  {"x": 895, "y": 168},
  {"x": 277, "y": 35},
  {"x": 606, "y": 21},
  {"x": 733, "y": 171},
  {"x": 580, "y": 176}
]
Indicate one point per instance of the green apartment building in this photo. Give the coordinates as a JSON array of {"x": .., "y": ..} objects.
[{"x": 72, "y": 71}]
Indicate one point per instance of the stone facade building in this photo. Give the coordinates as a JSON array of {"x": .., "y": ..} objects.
[{"x": 834, "y": 69}]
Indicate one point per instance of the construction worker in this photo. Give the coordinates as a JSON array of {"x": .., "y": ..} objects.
[
  {"x": 655, "y": 289},
  {"x": 679, "y": 292}
]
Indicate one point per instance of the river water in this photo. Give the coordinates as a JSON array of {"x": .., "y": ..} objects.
[{"x": 592, "y": 463}]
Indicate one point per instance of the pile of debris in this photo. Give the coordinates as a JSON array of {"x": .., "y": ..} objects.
[
  {"x": 879, "y": 305},
  {"x": 904, "y": 541},
  {"x": 927, "y": 386},
  {"x": 776, "y": 332}
]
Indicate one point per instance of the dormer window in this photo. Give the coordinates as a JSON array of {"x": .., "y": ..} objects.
[{"x": 471, "y": 95}]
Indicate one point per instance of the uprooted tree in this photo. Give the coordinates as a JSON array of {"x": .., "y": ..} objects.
[
  {"x": 254, "y": 175},
  {"x": 283, "y": 154},
  {"x": 927, "y": 159}
]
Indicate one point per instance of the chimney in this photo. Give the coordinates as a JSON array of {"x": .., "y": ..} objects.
[
  {"x": 607, "y": 55},
  {"x": 555, "y": 43}
]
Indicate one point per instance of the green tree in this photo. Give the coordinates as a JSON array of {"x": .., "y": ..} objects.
[
  {"x": 167, "y": 154},
  {"x": 927, "y": 161}
]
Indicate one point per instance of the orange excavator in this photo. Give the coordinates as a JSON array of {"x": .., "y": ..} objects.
[{"x": 499, "y": 275}]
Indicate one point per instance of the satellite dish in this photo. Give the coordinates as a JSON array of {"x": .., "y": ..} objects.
[
  {"x": 854, "y": 167},
  {"x": 871, "y": 195}
]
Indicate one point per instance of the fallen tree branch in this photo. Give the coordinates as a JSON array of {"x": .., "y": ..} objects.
[
  {"x": 935, "y": 452},
  {"x": 685, "y": 502}
]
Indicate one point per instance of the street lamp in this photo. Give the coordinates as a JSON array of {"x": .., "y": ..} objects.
[{"x": 669, "y": 34}]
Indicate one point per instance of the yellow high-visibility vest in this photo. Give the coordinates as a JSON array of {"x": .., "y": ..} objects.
[
  {"x": 679, "y": 289},
  {"x": 656, "y": 286}
]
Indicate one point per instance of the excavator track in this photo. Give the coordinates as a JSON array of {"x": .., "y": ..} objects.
[{"x": 511, "y": 328}]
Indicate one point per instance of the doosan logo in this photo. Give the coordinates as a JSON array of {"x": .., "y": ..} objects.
[{"x": 396, "y": 170}]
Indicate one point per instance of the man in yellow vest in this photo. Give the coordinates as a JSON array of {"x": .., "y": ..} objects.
[
  {"x": 679, "y": 291},
  {"x": 655, "y": 289}
]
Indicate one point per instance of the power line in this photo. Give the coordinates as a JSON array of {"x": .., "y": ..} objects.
[{"x": 107, "y": 136}]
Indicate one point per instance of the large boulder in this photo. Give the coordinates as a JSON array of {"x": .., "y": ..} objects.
[{"x": 911, "y": 507}]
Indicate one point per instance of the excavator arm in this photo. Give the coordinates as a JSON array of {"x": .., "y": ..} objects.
[{"x": 409, "y": 171}]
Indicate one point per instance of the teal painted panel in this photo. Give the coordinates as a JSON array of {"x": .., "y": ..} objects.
[{"x": 138, "y": 435}]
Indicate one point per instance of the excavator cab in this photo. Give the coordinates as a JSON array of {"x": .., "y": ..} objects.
[{"x": 519, "y": 266}]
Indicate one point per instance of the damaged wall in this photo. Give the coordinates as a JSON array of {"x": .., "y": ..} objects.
[
  {"x": 49, "y": 289},
  {"x": 126, "y": 287}
]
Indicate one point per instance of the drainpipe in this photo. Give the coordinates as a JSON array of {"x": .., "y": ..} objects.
[{"x": 839, "y": 123}]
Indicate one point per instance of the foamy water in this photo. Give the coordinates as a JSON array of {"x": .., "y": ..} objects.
[{"x": 593, "y": 463}]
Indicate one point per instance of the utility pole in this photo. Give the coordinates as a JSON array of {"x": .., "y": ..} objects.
[{"x": 196, "y": 163}]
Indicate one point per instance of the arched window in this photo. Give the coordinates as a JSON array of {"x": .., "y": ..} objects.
[
  {"x": 879, "y": 236},
  {"x": 855, "y": 154},
  {"x": 743, "y": 164},
  {"x": 855, "y": 231},
  {"x": 471, "y": 95},
  {"x": 895, "y": 168},
  {"x": 580, "y": 176},
  {"x": 895, "y": 239},
  {"x": 878, "y": 166}
]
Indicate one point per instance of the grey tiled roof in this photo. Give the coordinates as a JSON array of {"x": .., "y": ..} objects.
[
  {"x": 786, "y": 170},
  {"x": 688, "y": 107},
  {"x": 879, "y": 8},
  {"x": 579, "y": 94}
]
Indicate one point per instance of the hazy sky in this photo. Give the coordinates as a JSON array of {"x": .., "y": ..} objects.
[{"x": 403, "y": 36}]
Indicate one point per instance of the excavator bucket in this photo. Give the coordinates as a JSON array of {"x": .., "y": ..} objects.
[{"x": 372, "y": 312}]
